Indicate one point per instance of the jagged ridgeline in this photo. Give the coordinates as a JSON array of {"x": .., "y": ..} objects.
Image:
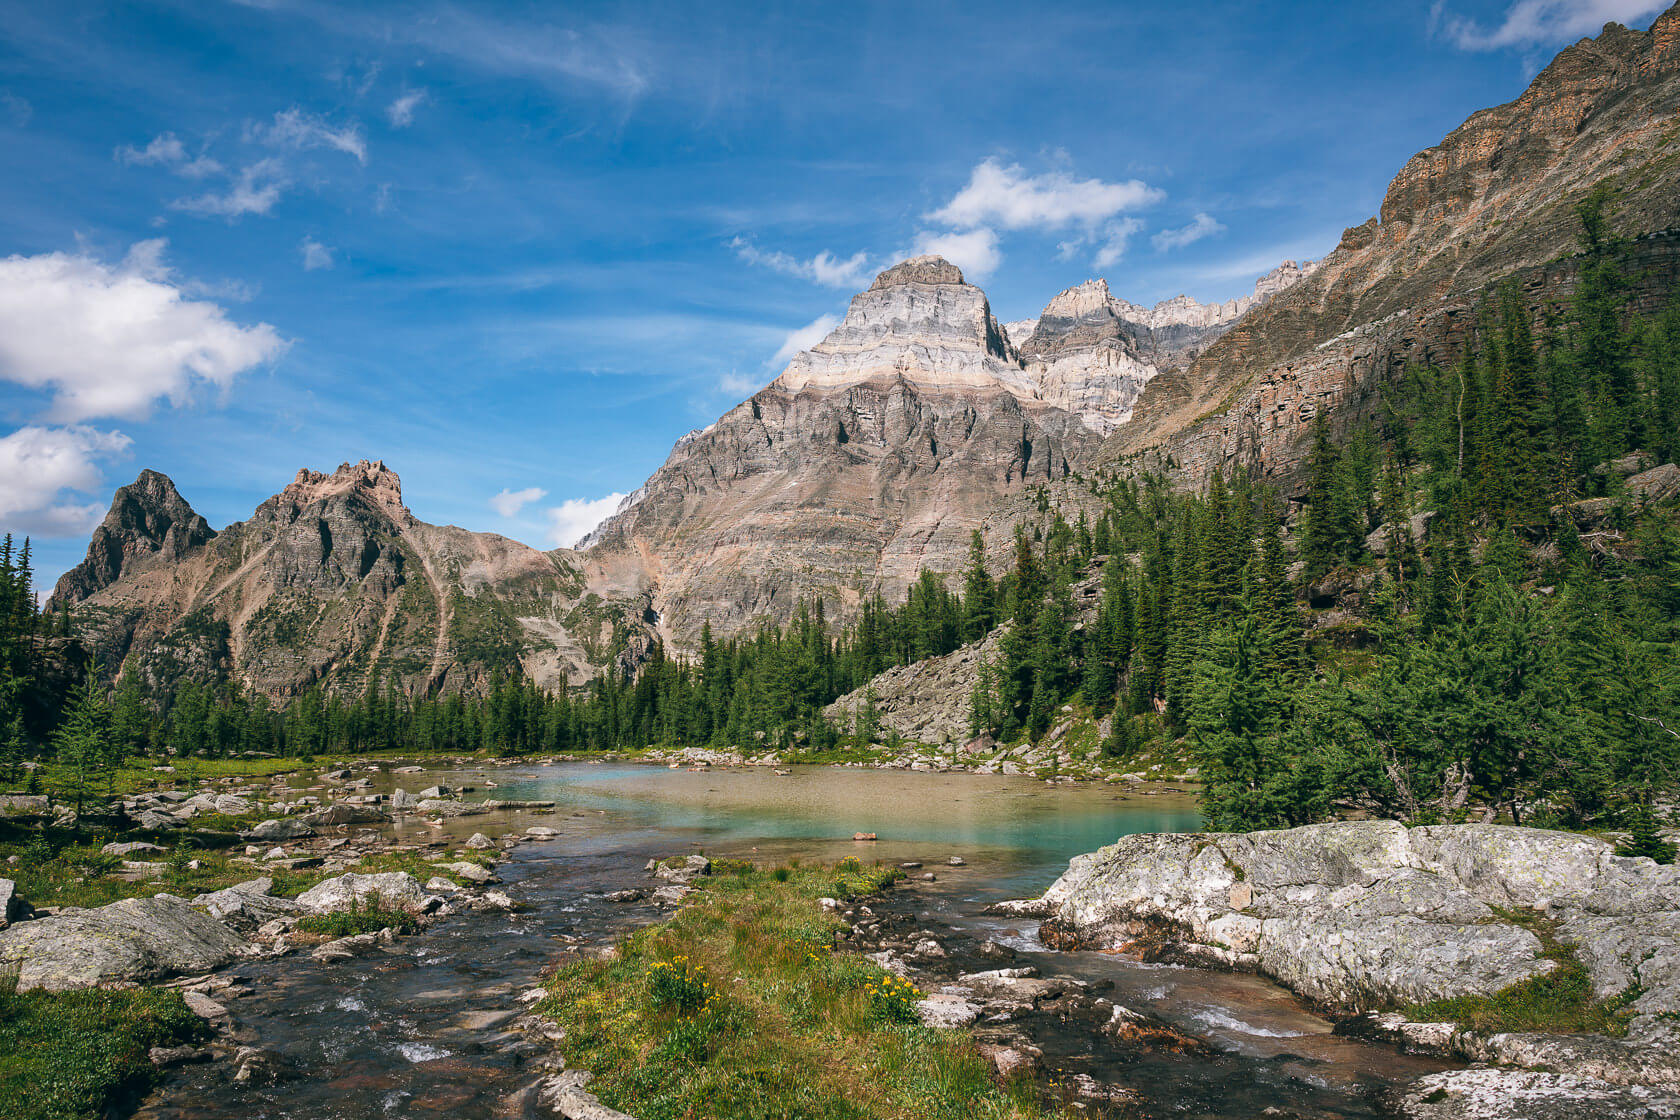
[{"x": 1357, "y": 540}]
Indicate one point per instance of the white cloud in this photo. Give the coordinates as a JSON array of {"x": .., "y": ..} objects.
[
  {"x": 575, "y": 518},
  {"x": 1115, "y": 237},
  {"x": 740, "y": 384},
  {"x": 804, "y": 338},
  {"x": 256, "y": 191},
  {"x": 509, "y": 502},
  {"x": 401, "y": 111},
  {"x": 296, "y": 129},
  {"x": 315, "y": 255},
  {"x": 37, "y": 465},
  {"x": 166, "y": 150},
  {"x": 824, "y": 268},
  {"x": 1203, "y": 225},
  {"x": 997, "y": 195},
  {"x": 975, "y": 251},
  {"x": 1006, "y": 197},
  {"x": 108, "y": 340},
  {"x": 1537, "y": 23}
]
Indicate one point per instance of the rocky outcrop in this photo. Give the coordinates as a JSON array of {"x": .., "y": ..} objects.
[
  {"x": 926, "y": 701},
  {"x": 391, "y": 890},
  {"x": 132, "y": 941},
  {"x": 1495, "y": 199},
  {"x": 1370, "y": 914}
]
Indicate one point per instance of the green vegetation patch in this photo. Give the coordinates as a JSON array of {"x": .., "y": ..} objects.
[
  {"x": 83, "y": 1054},
  {"x": 357, "y": 919},
  {"x": 740, "y": 1006},
  {"x": 1560, "y": 1002}
]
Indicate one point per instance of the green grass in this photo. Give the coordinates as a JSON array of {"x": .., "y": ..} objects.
[
  {"x": 58, "y": 868},
  {"x": 79, "y": 1055},
  {"x": 787, "y": 1027},
  {"x": 1560, "y": 1002},
  {"x": 357, "y": 919}
]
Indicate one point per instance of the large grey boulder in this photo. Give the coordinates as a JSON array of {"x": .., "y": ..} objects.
[
  {"x": 135, "y": 940},
  {"x": 344, "y": 814},
  {"x": 247, "y": 906},
  {"x": 1361, "y": 914},
  {"x": 395, "y": 890},
  {"x": 279, "y": 830}
]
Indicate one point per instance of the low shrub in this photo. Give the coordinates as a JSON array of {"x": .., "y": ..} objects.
[
  {"x": 83, "y": 1054},
  {"x": 893, "y": 1000},
  {"x": 679, "y": 985},
  {"x": 357, "y": 919}
]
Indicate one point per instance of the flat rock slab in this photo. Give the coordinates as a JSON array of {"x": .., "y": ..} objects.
[
  {"x": 1506, "y": 1094},
  {"x": 135, "y": 940}
]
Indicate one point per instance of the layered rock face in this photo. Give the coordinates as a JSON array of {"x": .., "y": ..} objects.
[
  {"x": 333, "y": 580},
  {"x": 1496, "y": 198},
  {"x": 1092, "y": 354},
  {"x": 871, "y": 457},
  {"x": 1083, "y": 357}
]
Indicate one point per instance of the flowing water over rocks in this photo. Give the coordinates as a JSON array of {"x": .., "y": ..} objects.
[{"x": 426, "y": 1025}]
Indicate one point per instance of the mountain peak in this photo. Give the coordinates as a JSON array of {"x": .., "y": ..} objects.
[
  {"x": 1081, "y": 299},
  {"x": 919, "y": 270},
  {"x": 369, "y": 477},
  {"x": 148, "y": 517}
]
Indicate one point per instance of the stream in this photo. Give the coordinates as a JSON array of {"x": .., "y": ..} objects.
[{"x": 421, "y": 1029}]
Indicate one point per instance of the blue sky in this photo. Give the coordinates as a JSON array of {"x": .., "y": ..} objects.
[{"x": 516, "y": 249}]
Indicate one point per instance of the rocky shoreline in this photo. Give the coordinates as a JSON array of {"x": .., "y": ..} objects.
[{"x": 1368, "y": 918}]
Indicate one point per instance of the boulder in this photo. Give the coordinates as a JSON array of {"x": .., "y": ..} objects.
[
  {"x": 402, "y": 800},
  {"x": 135, "y": 940},
  {"x": 538, "y": 832},
  {"x": 478, "y": 841},
  {"x": 437, "y": 791},
  {"x": 395, "y": 890},
  {"x": 692, "y": 868},
  {"x": 279, "y": 830},
  {"x": 246, "y": 907},
  {"x": 945, "y": 1011},
  {"x": 471, "y": 872},
  {"x": 344, "y": 814},
  {"x": 130, "y": 847},
  {"x": 12, "y": 908}
]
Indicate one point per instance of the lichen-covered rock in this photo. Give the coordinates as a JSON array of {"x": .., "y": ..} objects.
[
  {"x": 396, "y": 890},
  {"x": 1508, "y": 1094},
  {"x": 135, "y": 940},
  {"x": 248, "y": 906},
  {"x": 1362, "y": 914}
]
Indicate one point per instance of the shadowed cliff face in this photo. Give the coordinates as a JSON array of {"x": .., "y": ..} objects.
[{"x": 1496, "y": 198}]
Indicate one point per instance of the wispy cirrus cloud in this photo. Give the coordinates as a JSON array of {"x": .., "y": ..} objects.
[
  {"x": 1538, "y": 23},
  {"x": 255, "y": 190},
  {"x": 316, "y": 256},
  {"x": 1202, "y": 225},
  {"x": 825, "y": 268},
  {"x": 401, "y": 111},
  {"x": 298, "y": 130}
]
